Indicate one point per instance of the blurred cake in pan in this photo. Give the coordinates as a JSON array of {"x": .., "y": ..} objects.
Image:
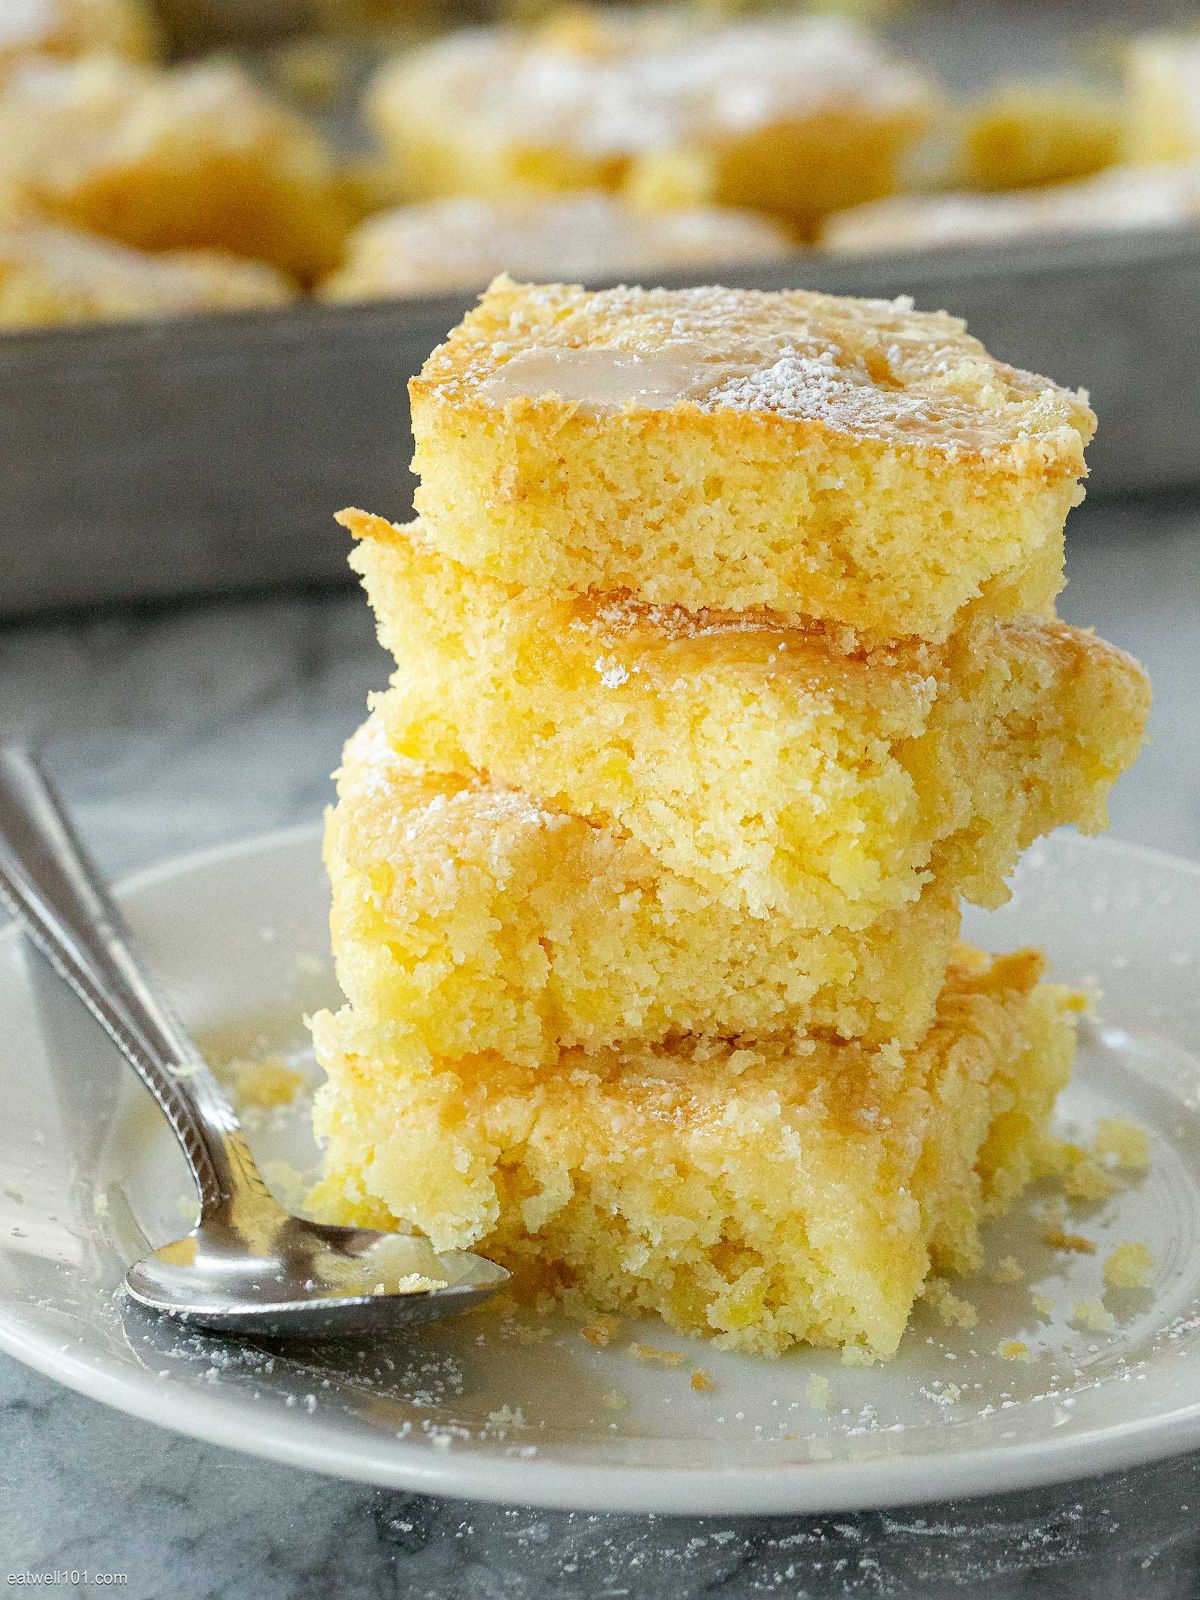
[
  {"x": 1022, "y": 134},
  {"x": 464, "y": 241},
  {"x": 51, "y": 273},
  {"x": 796, "y": 116},
  {"x": 1120, "y": 200},
  {"x": 193, "y": 157},
  {"x": 70, "y": 28},
  {"x": 1163, "y": 91}
]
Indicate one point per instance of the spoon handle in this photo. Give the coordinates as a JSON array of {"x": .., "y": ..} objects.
[{"x": 57, "y": 896}]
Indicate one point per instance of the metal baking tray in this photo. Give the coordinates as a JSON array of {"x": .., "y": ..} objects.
[{"x": 207, "y": 455}]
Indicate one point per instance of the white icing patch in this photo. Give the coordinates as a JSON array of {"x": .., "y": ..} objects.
[{"x": 606, "y": 379}]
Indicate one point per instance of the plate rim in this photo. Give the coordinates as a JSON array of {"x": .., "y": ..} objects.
[{"x": 791, "y": 1487}]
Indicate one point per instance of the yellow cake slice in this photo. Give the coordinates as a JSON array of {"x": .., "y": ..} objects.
[
  {"x": 764, "y": 1194},
  {"x": 853, "y": 460},
  {"x": 468, "y": 916},
  {"x": 793, "y": 115},
  {"x": 197, "y": 156},
  {"x": 752, "y": 757}
]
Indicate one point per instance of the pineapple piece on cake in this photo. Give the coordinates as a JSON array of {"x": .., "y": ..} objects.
[{"x": 851, "y": 460}]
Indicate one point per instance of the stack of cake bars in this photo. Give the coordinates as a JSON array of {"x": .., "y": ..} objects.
[{"x": 727, "y": 667}]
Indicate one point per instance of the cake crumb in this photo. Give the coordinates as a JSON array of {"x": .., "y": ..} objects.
[
  {"x": 1128, "y": 1266},
  {"x": 263, "y": 1084},
  {"x": 538, "y": 1334},
  {"x": 615, "y": 1401},
  {"x": 1058, "y": 1240},
  {"x": 1007, "y": 1270},
  {"x": 504, "y": 1419},
  {"x": 289, "y": 1185},
  {"x": 952, "y": 1309},
  {"x": 1013, "y": 1350},
  {"x": 1122, "y": 1144},
  {"x": 1091, "y": 1316},
  {"x": 1087, "y": 1181},
  {"x": 1042, "y": 1304},
  {"x": 701, "y": 1381},
  {"x": 817, "y": 1390},
  {"x": 600, "y": 1330},
  {"x": 651, "y": 1352},
  {"x": 857, "y": 1355}
]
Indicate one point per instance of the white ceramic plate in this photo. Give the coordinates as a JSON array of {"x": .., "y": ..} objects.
[{"x": 90, "y": 1171}]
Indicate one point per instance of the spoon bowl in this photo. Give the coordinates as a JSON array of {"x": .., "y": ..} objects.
[{"x": 307, "y": 1279}]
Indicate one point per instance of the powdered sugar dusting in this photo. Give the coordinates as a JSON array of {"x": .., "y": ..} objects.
[
  {"x": 868, "y": 368},
  {"x": 817, "y": 387}
]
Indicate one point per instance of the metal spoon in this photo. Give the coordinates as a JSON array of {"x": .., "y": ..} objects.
[{"x": 247, "y": 1266}]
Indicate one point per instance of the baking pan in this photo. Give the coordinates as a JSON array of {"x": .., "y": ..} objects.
[{"x": 208, "y": 454}]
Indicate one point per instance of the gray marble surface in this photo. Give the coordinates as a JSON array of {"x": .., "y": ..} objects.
[{"x": 177, "y": 728}]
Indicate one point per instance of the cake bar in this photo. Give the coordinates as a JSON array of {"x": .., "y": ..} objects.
[
  {"x": 755, "y": 758},
  {"x": 463, "y": 241},
  {"x": 850, "y": 460},
  {"x": 468, "y": 916},
  {"x": 762, "y": 1194},
  {"x": 197, "y": 156}
]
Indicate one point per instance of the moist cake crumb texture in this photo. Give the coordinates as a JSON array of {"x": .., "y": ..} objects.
[
  {"x": 855, "y": 461},
  {"x": 757, "y": 1194},
  {"x": 758, "y": 759},
  {"x": 600, "y": 941},
  {"x": 726, "y": 667}
]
